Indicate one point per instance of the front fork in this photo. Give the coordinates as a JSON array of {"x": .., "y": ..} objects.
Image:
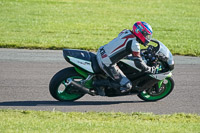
[{"x": 161, "y": 81}]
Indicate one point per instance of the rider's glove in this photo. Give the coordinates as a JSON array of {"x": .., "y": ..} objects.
[{"x": 152, "y": 70}]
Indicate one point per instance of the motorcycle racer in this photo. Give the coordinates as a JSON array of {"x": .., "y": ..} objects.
[{"x": 127, "y": 42}]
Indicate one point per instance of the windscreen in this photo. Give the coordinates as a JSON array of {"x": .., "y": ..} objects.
[{"x": 164, "y": 52}]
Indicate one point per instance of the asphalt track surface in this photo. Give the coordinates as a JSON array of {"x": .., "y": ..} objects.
[{"x": 25, "y": 76}]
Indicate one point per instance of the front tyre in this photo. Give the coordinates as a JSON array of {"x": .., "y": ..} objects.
[
  {"x": 157, "y": 93},
  {"x": 58, "y": 88}
]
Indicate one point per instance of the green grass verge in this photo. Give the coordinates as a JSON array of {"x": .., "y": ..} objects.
[
  {"x": 72, "y": 122},
  {"x": 88, "y": 24}
]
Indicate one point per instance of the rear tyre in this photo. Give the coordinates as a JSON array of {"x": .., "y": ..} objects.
[
  {"x": 58, "y": 88},
  {"x": 155, "y": 93}
]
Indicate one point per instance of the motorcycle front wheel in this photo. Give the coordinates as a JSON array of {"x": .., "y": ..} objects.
[
  {"x": 155, "y": 93},
  {"x": 58, "y": 87}
]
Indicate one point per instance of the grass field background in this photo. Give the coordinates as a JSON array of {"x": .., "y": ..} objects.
[
  {"x": 88, "y": 24},
  {"x": 91, "y": 122}
]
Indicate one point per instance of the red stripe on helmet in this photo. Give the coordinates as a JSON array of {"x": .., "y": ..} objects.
[{"x": 145, "y": 28}]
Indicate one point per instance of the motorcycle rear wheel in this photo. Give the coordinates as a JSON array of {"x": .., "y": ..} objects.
[
  {"x": 58, "y": 88},
  {"x": 154, "y": 95}
]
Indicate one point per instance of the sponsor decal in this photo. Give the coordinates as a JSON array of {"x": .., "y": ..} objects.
[
  {"x": 103, "y": 53},
  {"x": 82, "y": 63}
]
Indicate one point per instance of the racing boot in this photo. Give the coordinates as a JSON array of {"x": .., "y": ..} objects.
[{"x": 125, "y": 88}]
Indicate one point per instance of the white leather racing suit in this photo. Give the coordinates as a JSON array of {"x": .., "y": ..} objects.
[{"x": 109, "y": 54}]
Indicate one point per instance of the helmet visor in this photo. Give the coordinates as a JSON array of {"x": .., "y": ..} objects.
[{"x": 147, "y": 35}]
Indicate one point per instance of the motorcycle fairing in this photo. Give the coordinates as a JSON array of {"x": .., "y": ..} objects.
[
  {"x": 164, "y": 53},
  {"x": 86, "y": 65},
  {"x": 82, "y": 59},
  {"x": 79, "y": 58},
  {"x": 130, "y": 63},
  {"x": 79, "y": 54},
  {"x": 133, "y": 76},
  {"x": 161, "y": 76}
]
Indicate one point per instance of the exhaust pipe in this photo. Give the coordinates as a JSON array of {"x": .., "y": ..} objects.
[{"x": 78, "y": 86}]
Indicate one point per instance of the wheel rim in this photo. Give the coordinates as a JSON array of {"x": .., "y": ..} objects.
[
  {"x": 164, "y": 90},
  {"x": 63, "y": 90}
]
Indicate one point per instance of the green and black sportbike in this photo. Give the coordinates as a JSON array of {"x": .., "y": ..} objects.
[{"x": 86, "y": 77}]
